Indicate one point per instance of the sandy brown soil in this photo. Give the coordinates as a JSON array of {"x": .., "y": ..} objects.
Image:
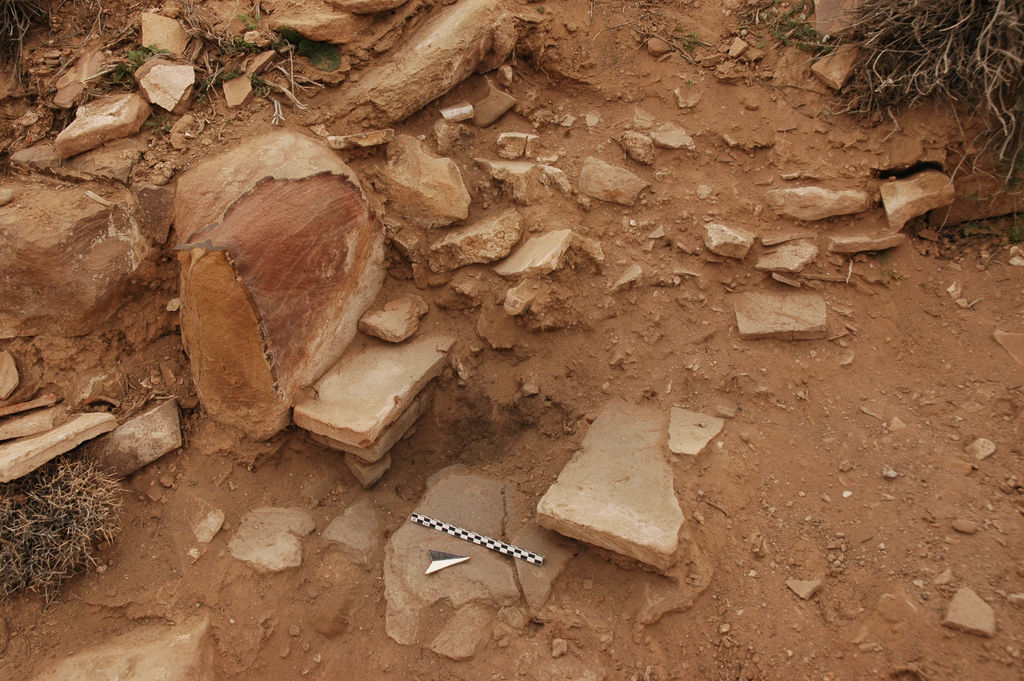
[{"x": 792, "y": 488}]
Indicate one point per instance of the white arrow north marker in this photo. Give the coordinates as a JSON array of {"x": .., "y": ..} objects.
[{"x": 439, "y": 560}]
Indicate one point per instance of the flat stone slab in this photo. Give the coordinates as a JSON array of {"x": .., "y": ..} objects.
[
  {"x": 358, "y": 532},
  {"x": 817, "y": 203},
  {"x": 912, "y": 196},
  {"x": 540, "y": 254},
  {"x": 21, "y": 457},
  {"x": 387, "y": 438},
  {"x": 396, "y": 321},
  {"x": 9, "y": 377},
  {"x": 790, "y": 316},
  {"x": 731, "y": 242},
  {"x": 617, "y": 491},
  {"x": 367, "y": 474},
  {"x": 481, "y": 242},
  {"x": 102, "y": 120},
  {"x": 469, "y": 501},
  {"x": 24, "y": 425},
  {"x": 146, "y": 653},
  {"x": 792, "y": 256},
  {"x": 370, "y": 387},
  {"x": 804, "y": 588},
  {"x": 967, "y": 612},
  {"x": 536, "y": 581},
  {"x": 1013, "y": 343},
  {"x": 139, "y": 441},
  {"x": 606, "y": 182},
  {"x": 690, "y": 431},
  {"x": 859, "y": 243},
  {"x": 268, "y": 539}
]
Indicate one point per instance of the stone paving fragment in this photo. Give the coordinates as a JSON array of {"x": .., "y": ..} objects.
[{"x": 790, "y": 316}]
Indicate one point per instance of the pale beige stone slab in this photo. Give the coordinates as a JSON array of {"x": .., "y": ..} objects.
[
  {"x": 32, "y": 423},
  {"x": 690, "y": 431},
  {"x": 540, "y": 254},
  {"x": 386, "y": 440},
  {"x": 791, "y": 316},
  {"x": 21, "y": 457}
]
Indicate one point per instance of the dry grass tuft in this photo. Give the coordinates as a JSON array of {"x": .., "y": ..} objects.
[
  {"x": 969, "y": 52},
  {"x": 16, "y": 17},
  {"x": 50, "y": 522}
]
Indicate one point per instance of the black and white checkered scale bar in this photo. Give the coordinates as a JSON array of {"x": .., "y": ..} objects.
[{"x": 478, "y": 539}]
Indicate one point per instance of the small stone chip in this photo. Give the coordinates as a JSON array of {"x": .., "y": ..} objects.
[
  {"x": 804, "y": 588},
  {"x": 967, "y": 612}
]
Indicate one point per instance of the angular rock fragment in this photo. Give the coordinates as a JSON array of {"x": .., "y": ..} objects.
[
  {"x": 731, "y": 242},
  {"x": 804, "y": 588},
  {"x": 397, "y": 320},
  {"x": 834, "y": 69},
  {"x": 268, "y": 539},
  {"x": 690, "y": 431},
  {"x": 112, "y": 161},
  {"x": 272, "y": 291},
  {"x": 9, "y": 377},
  {"x": 426, "y": 189},
  {"x": 361, "y": 140},
  {"x": 671, "y": 136},
  {"x": 629, "y": 278},
  {"x": 464, "y": 633},
  {"x": 859, "y": 243},
  {"x": 513, "y": 145},
  {"x": 367, "y": 474},
  {"x": 38, "y": 156},
  {"x": 66, "y": 271},
  {"x": 156, "y": 210},
  {"x": 1013, "y": 343},
  {"x": 465, "y": 500},
  {"x": 790, "y": 257},
  {"x": 492, "y": 107},
  {"x": 480, "y": 242},
  {"x": 817, "y": 203},
  {"x": 139, "y": 441},
  {"x": 468, "y": 36},
  {"x": 367, "y": 6},
  {"x": 790, "y": 316},
  {"x": 617, "y": 491},
  {"x": 536, "y": 581},
  {"x": 71, "y": 85},
  {"x": 606, "y": 182},
  {"x": 102, "y": 120},
  {"x": 967, "y": 612},
  {"x": 182, "y": 652},
  {"x": 237, "y": 91},
  {"x": 981, "y": 448},
  {"x": 358, "y": 532},
  {"x": 679, "y": 588},
  {"x": 369, "y": 388},
  {"x": 166, "y": 84},
  {"x": 317, "y": 20},
  {"x": 24, "y": 425},
  {"x": 519, "y": 297},
  {"x": 539, "y": 254},
  {"x": 638, "y": 147},
  {"x": 905, "y": 199},
  {"x": 21, "y": 457},
  {"x": 163, "y": 33}
]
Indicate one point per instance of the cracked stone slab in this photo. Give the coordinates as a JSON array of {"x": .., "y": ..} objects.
[
  {"x": 790, "y": 316},
  {"x": 269, "y": 539}
]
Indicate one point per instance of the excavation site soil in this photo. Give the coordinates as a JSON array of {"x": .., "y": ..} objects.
[{"x": 756, "y": 430}]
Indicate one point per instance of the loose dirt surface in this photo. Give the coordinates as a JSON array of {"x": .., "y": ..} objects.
[{"x": 793, "y": 488}]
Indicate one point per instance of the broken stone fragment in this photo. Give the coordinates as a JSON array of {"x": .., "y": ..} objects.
[
  {"x": 527, "y": 181},
  {"x": 163, "y": 33},
  {"x": 237, "y": 91},
  {"x": 835, "y": 68},
  {"x": 361, "y": 140},
  {"x": 455, "y": 41},
  {"x": 689, "y": 432},
  {"x": 480, "y": 242},
  {"x": 967, "y": 612},
  {"x": 804, "y": 588},
  {"x": 269, "y": 539},
  {"x": 465, "y": 500},
  {"x": 139, "y": 441},
  {"x": 1013, "y": 343},
  {"x": 367, "y": 6},
  {"x": 629, "y": 278},
  {"x": 102, "y": 120},
  {"x": 317, "y": 20},
  {"x": 111, "y": 161},
  {"x": 513, "y": 145},
  {"x": 605, "y": 182},
  {"x": 617, "y": 492},
  {"x": 638, "y": 147},
  {"x": 358, "y": 532},
  {"x": 792, "y": 256},
  {"x": 465, "y": 633},
  {"x": 536, "y": 581},
  {"x": 391, "y": 434},
  {"x": 425, "y": 189},
  {"x": 273, "y": 288},
  {"x": 38, "y": 156},
  {"x": 397, "y": 320},
  {"x": 156, "y": 210},
  {"x": 367, "y": 474},
  {"x": 65, "y": 271},
  {"x": 656, "y": 47},
  {"x": 369, "y": 388},
  {"x": 790, "y": 316},
  {"x": 71, "y": 85},
  {"x": 9, "y": 377},
  {"x": 458, "y": 112},
  {"x": 519, "y": 297},
  {"x": 492, "y": 107},
  {"x": 21, "y": 457},
  {"x": 737, "y": 47},
  {"x": 671, "y": 136},
  {"x": 170, "y": 653},
  {"x": 24, "y": 425},
  {"x": 859, "y": 243},
  {"x": 166, "y": 84},
  {"x": 910, "y": 197},
  {"x": 981, "y": 449},
  {"x": 731, "y": 242},
  {"x": 539, "y": 254},
  {"x": 817, "y": 203}
]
